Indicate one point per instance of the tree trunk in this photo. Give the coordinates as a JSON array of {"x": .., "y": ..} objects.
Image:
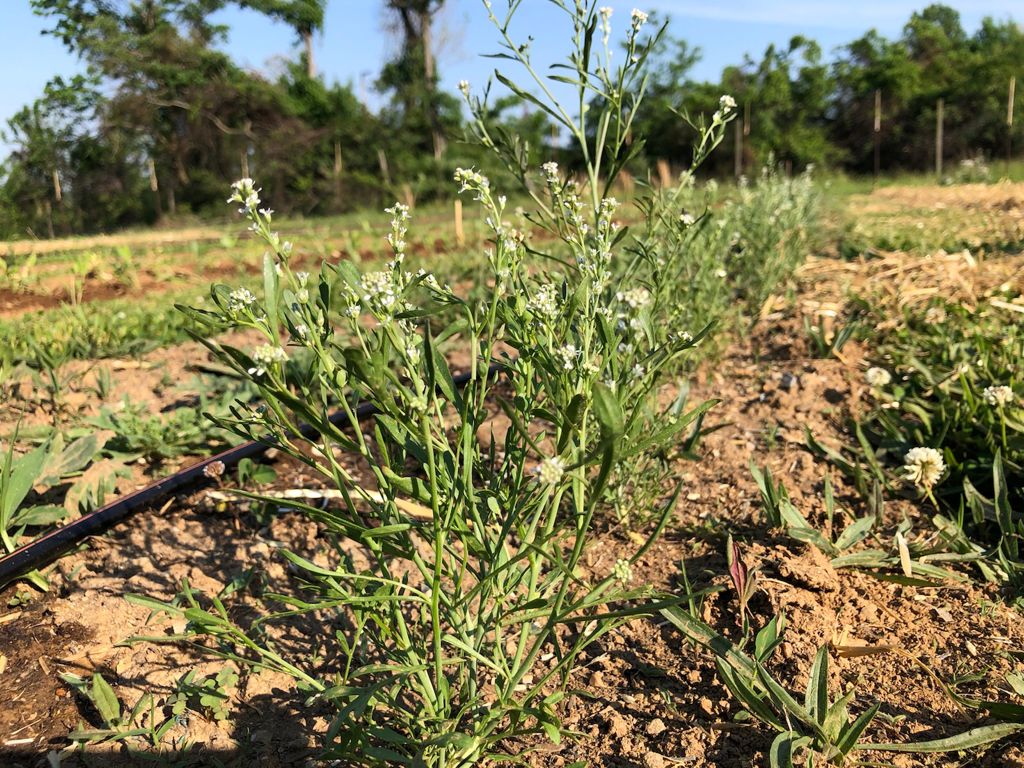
[
  {"x": 429, "y": 73},
  {"x": 307, "y": 39}
]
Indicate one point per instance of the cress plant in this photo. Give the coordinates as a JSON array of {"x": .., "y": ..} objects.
[{"x": 457, "y": 598}]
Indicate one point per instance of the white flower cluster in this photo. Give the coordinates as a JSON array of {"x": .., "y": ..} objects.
[
  {"x": 464, "y": 87},
  {"x": 265, "y": 357},
  {"x": 622, "y": 571},
  {"x": 634, "y": 298},
  {"x": 998, "y": 396},
  {"x": 244, "y": 191},
  {"x": 726, "y": 105},
  {"x": 638, "y": 18},
  {"x": 399, "y": 221},
  {"x": 569, "y": 355},
  {"x": 240, "y": 299},
  {"x": 877, "y": 377},
  {"x": 468, "y": 179},
  {"x": 379, "y": 289},
  {"x": 550, "y": 169},
  {"x": 550, "y": 471},
  {"x": 544, "y": 302},
  {"x": 923, "y": 467}
]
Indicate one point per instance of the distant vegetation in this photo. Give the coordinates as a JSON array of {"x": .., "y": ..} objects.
[{"x": 162, "y": 119}]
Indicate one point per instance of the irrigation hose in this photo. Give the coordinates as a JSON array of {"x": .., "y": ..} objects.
[{"x": 47, "y": 548}]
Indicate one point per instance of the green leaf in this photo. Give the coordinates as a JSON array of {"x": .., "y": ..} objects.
[
  {"x": 106, "y": 701},
  {"x": 609, "y": 413},
  {"x": 816, "y": 698},
  {"x": 975, "y": 737}
]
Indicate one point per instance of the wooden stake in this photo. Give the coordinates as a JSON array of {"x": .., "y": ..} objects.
[
  {"x": 56, "y": 186},
  {"x": 939, "y": 109},
  {"x": 1009, "y": 123},
  {"x": 746, "y": 118},
  {"x": 153, "y": 185},
  {"x": 245, "y": 164},
  {"x": 337, "y": 159},
  {"x": 460, "y": 235},
  {"x": 878, "y": 132},
  {"x": 664, "y": 174},
  {"x": 738, "y": 149}
]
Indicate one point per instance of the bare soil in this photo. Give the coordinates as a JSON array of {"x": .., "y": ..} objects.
[{"x": 644, "y": 698}]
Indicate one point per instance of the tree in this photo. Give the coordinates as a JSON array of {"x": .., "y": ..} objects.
[{"x": 306, "y": 17}]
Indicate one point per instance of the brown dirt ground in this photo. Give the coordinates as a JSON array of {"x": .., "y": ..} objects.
[{"x": 645, "y": 698}]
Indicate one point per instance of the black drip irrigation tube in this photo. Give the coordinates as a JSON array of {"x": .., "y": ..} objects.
[{"x": 47, "y": 548}]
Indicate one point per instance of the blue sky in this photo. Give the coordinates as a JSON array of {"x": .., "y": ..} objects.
[{"x": 354, "y": 44}]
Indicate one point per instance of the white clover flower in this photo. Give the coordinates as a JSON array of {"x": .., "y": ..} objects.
[
  {"x": 569, "y": 353},
  {"x": 544, "y": 302},
  {"x": 240, "y": 299},
  {"x": 923, "y": 467},
  {"x": 266, "y": 356},
  {"x": 638, "y": 18},
  {"x": 214, "y": 469},
  {"x": 635, "y": 298},
  {"x": 998, "y": 396},
  {"x": 550, "y": 471},
  {"x": 877, "y": 377},
  {"x": 622, "y": 571}
]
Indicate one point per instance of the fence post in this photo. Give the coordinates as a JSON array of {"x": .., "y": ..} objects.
[
  {"x": 56, "y": 186},
  {"x": 460, "y": 235},
  {"x": 877, "y": 136},
  {"x": 738, "y": 149},
  {"x": 1009, "y": 123},
  {"x": 939, "y": 108},
  {"x": 154, "y": 187},
  {"x": 664, "y": 174}
]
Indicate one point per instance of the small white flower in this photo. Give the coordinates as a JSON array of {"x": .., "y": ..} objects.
[
  {"x": 721, "y": 273},
  {"x": 635, "y": 298},
  {"x": 468, "y": 179},
  {"x": 622, "y": 572},
  {"x": 569, "y": 354},
  {"x": 877, "y": 377},
  {"x": 638, "y": 371},
  {"x": 266, "y": 356},
  {"x": 638, "y": 18},
  {"x": 550, "y": 471},
  {"x": 923, "y": 467},
  {"x": 464, "y": 87},
  {"x": 240, "y": 299},
  {"x": 544, "y": 302},
  {"x": 606, "y": 12},
  {"x": 727, "y": 103},
  {"x": 687, "y": 219},
  {"x": 550, "y": 169},
  {"x": 998, "y": 396}
]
